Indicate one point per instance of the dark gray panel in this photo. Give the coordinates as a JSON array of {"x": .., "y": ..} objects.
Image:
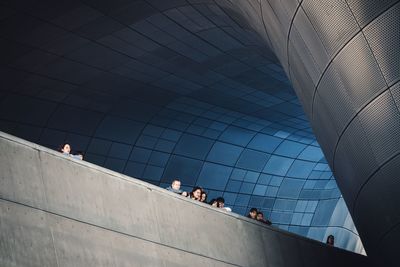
[
  {"x": 224, "y": 153},
  {"x": 26, "y": 109},
  {"x": 381, "y": 123},
  {"x": 75, "y": 120},
  {"x": 379, "y": 197},
  {"x": 354, "y": 161},
  {"x": 383, "y": 36},
  {"x": 193, "y": 146},
  {"x": 324, "y": 129},
  {"x": 119, "y": 129}
]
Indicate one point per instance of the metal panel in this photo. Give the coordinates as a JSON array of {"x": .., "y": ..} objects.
[
  {"x": 366, "y": 10},
  {"x": 383, "y": 35},
  {"x": 354, "y": 162}
]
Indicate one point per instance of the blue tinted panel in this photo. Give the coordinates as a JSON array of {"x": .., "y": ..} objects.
[
  {"x": 184, "y": 169},
  {"x": 230, "y": 198},
  {"x": 153, "y": 173},
  {"x": 233, "y": 186},
  {"x": 238, "y": 174},
  {"x": 311, "y": 206},
  {"x": 268, "y": 203},
  {"x": 153, "y": 130},
  {"x": 324, "y": 211},
  {"x": 264, "y": 179},
  {"x": 99, "y": 146},
  {"x": 278, "y": 165},
  {"x": 301, "y": 205},
  {"x": 237, "y": 136},
  {"x": 256, "y": 202},
  {"x": 242, "y": 200},
  {"x": 251, "y": 177},
  {"x": 158, "y": 158},
  {"x": 260, "y": 190},
  {"x": 285, "y": 204},
  {"x": 290, "y": 188},
  {"x": 252, "y": 160},
  {"x": 165, "y": 146},
  {"x": 120, "y": 151},
  {"x": 301, "y": 169},
  {"x": 272, "y": 191},
  {"x": 306, "y": 221},
  {"x": 115, "y": 164},
  {"x": 119, "y": 130},
  {"x": 224, "y": 153},
  {"x": 140, "y": 154},
  {"x": 96, "y": 159},
  {"x": 312, "y": 153},
  {"x": 193, "y": 146},
  {"x": 171, "y": 135},
  {"x": 134, "y": 169},
  {"x": 264, "y": 143},
  {"x": 211, "y": 134},
  {"x": 214, "y": 176},
  {"x": 247, "y": 188},
  {"x": 289, "y": 149},
  {"x": 146, "y": 141},
  {"x": 297, "y": 217},
  {"x": 276, "y": 181}
]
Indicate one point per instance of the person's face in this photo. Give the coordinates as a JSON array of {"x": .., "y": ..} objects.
[
  {"x": 176, "y": 185},
  {"x": 221, "y": 204},
  {"x": 260, "y": 217},
  {"x": 203, "y": 197},
  {"x": 66, "y": 148},
  {"x": 197, "y": 194},
  {"x": 253, "y": 214}
]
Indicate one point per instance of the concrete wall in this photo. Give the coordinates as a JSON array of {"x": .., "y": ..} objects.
[{"x": 58, "y": 211}]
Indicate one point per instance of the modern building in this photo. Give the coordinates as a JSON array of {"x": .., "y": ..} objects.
[{"x": 280, "y": 105}]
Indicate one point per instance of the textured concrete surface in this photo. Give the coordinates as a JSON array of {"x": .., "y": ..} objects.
[{"x": 58, "y": 211}]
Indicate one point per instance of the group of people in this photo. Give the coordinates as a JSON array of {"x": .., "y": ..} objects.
[
  {"x": 258, "y": 215},
  {"x": 197, "y": 194},
  {"x": 66, "y": 150}
]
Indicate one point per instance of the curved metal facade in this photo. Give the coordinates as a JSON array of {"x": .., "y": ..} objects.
[{"x": 197, "y": 90}]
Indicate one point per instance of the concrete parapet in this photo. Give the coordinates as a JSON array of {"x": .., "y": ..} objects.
[{"x": 59, "y": 211}]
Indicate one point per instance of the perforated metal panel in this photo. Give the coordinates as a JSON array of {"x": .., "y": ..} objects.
[
  {"x": 367, "y": 10},
  {"x": 381, "y": 122},
  {"x": 332, "y": 20},
  {"x": 311, "y": 39},
  {"x": 383, "y": 35},
  {"x": 380, "y": 198},
  {"x": 354, "y": 161},
  {"x": 325, "y": 130}
]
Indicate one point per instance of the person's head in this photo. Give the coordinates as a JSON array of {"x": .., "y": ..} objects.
[
  {"x": 176, "y": 184},
  {"x": 196, "y": 193},
  {"x": 213, "y": 202},
  {"x": 330, "y": 240},
  {"x": 203, "y": 197},
  {"x": 260, "y": 216},
  {"x": 252, "y": 213},
  {"x": 220, "y": 202},
  {"x": 65, "y": 148}
]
